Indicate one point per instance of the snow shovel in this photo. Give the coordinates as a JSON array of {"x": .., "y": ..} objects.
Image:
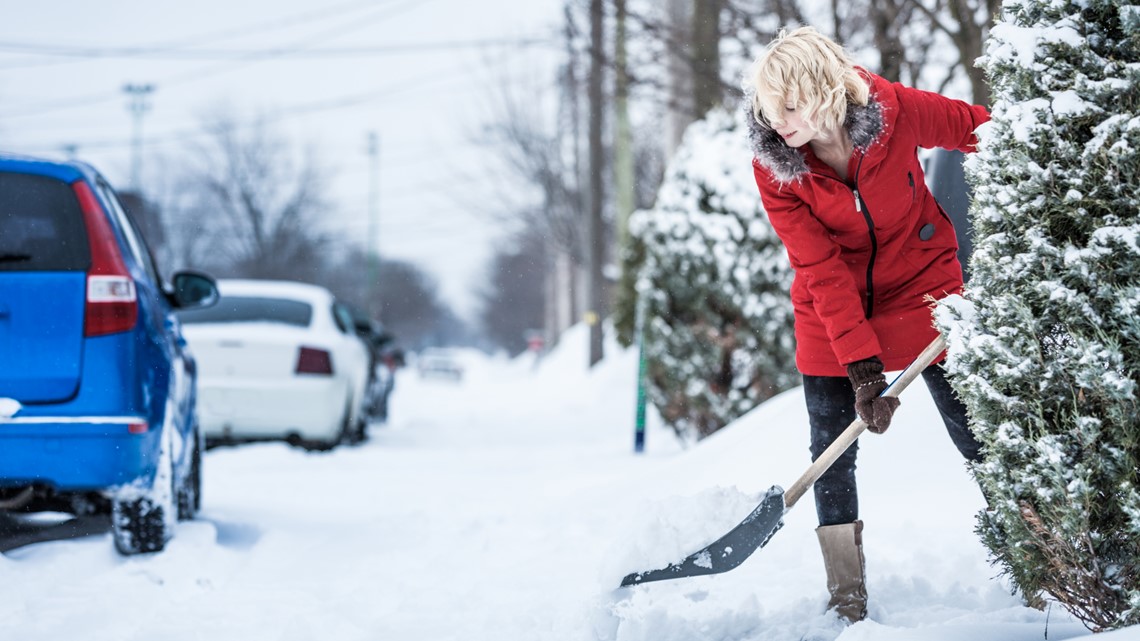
[{"x": 757, "y": 528}]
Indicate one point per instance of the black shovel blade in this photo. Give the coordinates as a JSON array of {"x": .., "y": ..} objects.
[{"x": 729, "y": 550}]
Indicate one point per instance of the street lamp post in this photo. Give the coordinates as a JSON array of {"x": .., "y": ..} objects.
[
  {"x": 138, "y": 107},
  {"x": 373, "y": 219}
]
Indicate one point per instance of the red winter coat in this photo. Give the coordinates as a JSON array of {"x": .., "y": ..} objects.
[{"x": 867, "y": 253}]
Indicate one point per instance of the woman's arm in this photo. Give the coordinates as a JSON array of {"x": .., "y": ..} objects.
[{"x": 939, "y": 121}]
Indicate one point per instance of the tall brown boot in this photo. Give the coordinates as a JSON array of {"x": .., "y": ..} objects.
[{"x": 842, "y": 547}]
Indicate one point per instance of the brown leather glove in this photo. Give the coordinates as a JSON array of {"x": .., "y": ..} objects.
[{"x": 868, "y": 382}]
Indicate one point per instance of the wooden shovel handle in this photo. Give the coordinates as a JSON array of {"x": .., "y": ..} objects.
[{"x": 844, "y": 441}]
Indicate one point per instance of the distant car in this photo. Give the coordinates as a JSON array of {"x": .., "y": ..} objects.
[
  {"x": 278, "y": 360},
  {"x": 435, "y": 362},
  {"x": 96, "y": 388}
]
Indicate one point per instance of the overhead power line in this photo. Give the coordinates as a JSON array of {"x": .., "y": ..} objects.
[
  {"x": 179, "y": 134},
  {"x": 302, "y": 109},
  {"x": 307, "y": 18},
  {"x": 76, "y": 102},
  {"x": 275, "y": 52},
  {"x": 198, "y": 40}
]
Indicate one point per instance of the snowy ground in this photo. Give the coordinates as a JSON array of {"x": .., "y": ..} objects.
[{"x": 509, "y": 507}]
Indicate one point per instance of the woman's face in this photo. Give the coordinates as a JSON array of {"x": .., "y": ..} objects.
[{"x": 794, "y": 129}]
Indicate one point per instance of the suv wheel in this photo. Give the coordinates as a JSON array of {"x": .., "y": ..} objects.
[
  {"x": 190, "y": 492},
  {"x": 138, "y": 525},
  {"x": 142, "y": 521},
  {"x": 351, "y": 432}
]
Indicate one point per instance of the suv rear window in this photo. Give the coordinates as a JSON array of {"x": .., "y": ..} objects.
[
  {"x": 41, "y": 225},
  {"x": 248, "y": 309}
]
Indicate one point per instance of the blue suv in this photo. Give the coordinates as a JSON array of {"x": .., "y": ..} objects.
[{"x": 97, "y": 389}]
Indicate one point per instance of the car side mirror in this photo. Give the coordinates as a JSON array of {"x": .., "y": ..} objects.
[{"x": 193, "y": 289}]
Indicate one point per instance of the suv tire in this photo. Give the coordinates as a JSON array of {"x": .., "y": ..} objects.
[
  {"x": 190, "y": 492},
  {"x": 138, "y": 525}
]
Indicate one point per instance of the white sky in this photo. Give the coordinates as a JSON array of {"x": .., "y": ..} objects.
[{"x": 424, "y": 103}]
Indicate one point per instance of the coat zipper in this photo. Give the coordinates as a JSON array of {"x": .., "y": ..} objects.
[{"x": 861, "y": 207}]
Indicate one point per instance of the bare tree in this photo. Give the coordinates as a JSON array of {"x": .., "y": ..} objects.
[
  {"x": 966, "y": 23},
  {"x": 595, "y": 237},
  {"x": 513, "y": 301},
  {"x": 887, "y": 17},
  {"x": 412, "y": 310},
  {"x": 187, "y": 222},
  {"x": 533, "y": 152},
  {"x": 675, "y": 59},
  {"x": 708, "y": 88},
  {"x": 268, "y": 197},
  {"x": 248, "y": 204}
]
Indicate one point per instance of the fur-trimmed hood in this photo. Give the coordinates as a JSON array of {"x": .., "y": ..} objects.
[{"x": 864, "y": 124}]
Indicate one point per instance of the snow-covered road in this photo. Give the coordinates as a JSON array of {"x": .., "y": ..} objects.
[{"x": 508, "y": 507}]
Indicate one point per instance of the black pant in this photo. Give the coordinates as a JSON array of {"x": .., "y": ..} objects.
[{"x": 831, "y": 409}]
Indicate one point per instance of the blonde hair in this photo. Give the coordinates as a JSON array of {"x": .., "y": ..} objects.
[{"x": 809, "y": 70}]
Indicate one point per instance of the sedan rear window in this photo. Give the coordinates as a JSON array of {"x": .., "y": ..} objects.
[
  {"x": 250, "y": 309},
  {"x": 41, "y": 225}
]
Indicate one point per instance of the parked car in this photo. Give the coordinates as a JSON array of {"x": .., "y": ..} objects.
[
  {"x": 438, "y": 362},
  {"x": 381, "y": 367},
  {"x": 947, "y": 181},
  {"x": 278, "y": 360},
  {"x": 97, "y": 389},
  {"x": 391, "y": 359}
]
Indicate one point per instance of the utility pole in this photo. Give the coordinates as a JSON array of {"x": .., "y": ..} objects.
[
  {"x": 705, "y": 70},
  {"x": 680, "y": 78},
  {"x": 374, "y": 221},
  {"x": 139, "y": 105},
  {"x": 623, "y": 137},
  {"x": 625, "y": 201},
  {"x": 576, "y": 295},
  {"x": 595, "y": 238}
]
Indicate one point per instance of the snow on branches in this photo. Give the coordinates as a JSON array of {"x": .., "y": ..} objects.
[
  {"x": 1046, "y": 353},
  {"x": 718, "y": 320}
]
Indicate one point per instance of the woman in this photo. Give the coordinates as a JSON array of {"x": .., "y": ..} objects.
[{"x": 836, "y": 164}]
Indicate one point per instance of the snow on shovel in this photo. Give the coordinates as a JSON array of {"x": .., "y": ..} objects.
[{"x": 757, "y": 528}]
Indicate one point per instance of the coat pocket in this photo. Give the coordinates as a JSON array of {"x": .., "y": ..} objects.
[{"x": 932, "y": 244}]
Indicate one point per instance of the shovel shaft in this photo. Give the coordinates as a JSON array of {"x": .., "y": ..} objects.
[{"x": 849, "y": 435}]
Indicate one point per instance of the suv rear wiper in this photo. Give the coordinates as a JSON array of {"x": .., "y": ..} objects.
[{"x": 14, "y": 258}]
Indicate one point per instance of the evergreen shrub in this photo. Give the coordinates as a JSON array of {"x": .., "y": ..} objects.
[
  {"x": 714, "y": 284},
  {"x": 1046, "y": 352}
]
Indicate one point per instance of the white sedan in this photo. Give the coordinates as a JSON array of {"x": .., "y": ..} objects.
[{"x": 278, "y": 360}]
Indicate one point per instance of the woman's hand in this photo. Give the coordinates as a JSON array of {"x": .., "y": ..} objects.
[{"x": 868, "y": 382}]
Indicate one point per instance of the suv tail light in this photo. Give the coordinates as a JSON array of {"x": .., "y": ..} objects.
[
  {"x": 112, "y": 303},
  {"x": 311, "y": 360}
]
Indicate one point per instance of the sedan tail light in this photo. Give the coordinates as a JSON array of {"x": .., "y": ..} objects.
[
  {"x": 311, "y": 360},
  {"x": 112, "y": 303}
]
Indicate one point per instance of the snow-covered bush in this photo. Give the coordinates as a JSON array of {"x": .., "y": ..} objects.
[
  {"x": 1046, "y": 353},
  {"x": 715, "y": 280}
]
